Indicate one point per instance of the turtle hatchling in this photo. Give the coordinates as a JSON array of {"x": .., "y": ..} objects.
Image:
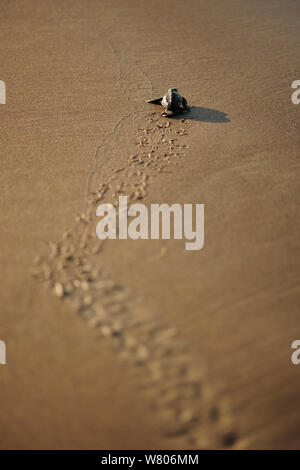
[{"x": 172, "y": 102}]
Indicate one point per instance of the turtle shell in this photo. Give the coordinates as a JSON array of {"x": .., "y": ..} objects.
[{"x": 172, "y": 100}]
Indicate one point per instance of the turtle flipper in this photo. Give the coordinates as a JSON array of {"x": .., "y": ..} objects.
[
  {"x": 184, "y": 103},
  {"x": 185, "y": 107},
  {"x": 156, "y": 101}
]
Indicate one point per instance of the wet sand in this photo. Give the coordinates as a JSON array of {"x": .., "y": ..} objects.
[{"x": 141, "y": 344}]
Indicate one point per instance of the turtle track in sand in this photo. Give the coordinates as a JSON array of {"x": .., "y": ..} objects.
[{"x": 186, "y": 404}]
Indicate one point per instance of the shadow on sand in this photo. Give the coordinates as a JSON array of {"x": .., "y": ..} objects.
[{"x": 196, "y": 113}]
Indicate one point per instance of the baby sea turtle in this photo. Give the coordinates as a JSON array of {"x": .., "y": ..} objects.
[{"x": 172, "y": 101}]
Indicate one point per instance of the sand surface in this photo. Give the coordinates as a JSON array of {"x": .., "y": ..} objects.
[{"x": 149, "y": 345}]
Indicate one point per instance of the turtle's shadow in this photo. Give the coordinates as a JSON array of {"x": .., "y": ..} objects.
[{"x": 197, "y": 113}]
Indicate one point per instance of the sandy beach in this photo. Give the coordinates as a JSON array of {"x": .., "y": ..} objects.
[{"x": 141, "y": 344}]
